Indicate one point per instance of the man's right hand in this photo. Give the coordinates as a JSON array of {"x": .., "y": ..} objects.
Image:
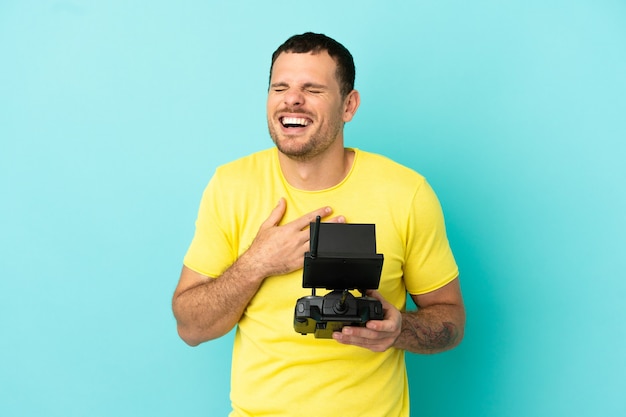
[
  {"x": 209, "y": 307},
  {"x": 278, "y": 250}
]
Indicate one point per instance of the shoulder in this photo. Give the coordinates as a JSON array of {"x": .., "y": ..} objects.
[
  {"x": 255, "y": 161},
  {"x": 251, "y": 168},
  {"x": 387, "y": 170}
]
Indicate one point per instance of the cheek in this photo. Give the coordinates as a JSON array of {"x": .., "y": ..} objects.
[{"x": 271, "y": 103}]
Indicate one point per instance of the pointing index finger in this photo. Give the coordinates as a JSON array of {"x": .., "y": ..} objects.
[{"x": 309, "y": 218}]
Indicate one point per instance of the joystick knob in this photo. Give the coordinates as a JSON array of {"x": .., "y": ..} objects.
[{"x": 341, "y": 307}]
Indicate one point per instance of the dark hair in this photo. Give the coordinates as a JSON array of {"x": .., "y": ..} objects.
[{"x": 316, "y": 43}]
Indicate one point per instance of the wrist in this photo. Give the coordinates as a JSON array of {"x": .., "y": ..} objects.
[{"x": 247, "y": 269}]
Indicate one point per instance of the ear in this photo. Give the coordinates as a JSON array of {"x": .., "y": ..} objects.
[{"x": 351, "y": 104}]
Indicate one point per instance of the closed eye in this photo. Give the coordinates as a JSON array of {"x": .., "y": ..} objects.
[
  {"x": 279, "y": 87},
  {"x": 315, "y": 88}
]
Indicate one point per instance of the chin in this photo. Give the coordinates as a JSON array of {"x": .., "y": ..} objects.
[
  {"x": 292, "y": 146},
  {"x": 299, "y": 153}
]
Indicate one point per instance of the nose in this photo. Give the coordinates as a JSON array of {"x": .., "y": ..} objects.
[{"x": 294, "y": 98}]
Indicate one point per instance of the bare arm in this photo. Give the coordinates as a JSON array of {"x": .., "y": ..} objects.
[
  {"x": 436, "y": 326},
  {"x": 206, "y": 308}
]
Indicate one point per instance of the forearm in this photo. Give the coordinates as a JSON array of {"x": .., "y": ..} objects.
[
  {"x": 211, "y": 308},
  {"x": 206, "y": 308},
  {"x": 432, "y": 329}
]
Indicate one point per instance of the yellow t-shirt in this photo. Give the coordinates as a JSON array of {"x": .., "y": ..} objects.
[{"x": 276, "y": 371}]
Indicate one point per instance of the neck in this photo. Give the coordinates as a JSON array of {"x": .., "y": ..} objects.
[{"x": 318, "y": 173}]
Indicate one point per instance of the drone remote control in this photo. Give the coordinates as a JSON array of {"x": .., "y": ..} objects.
[{"x": 341, "y": 258}]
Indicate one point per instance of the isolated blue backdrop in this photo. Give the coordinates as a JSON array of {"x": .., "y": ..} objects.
[{"x": 113, "y": 116}]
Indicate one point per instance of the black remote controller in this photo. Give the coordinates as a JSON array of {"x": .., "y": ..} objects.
[
  {"x": 340, "y": 272},
  {"x": 324, "y": 315}
]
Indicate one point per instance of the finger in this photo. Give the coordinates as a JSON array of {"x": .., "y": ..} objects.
[
  {"x": 305, "y": 232},
  {"x": 377, "y": 295},
  {"x": 389, "y": 323},
  {"x": 360, "y": 335},
  {"x": 381, "y": 326},
  {"x": 362, "y": 339},
  {"x": 338, "y": 219},
  {"x": 309, "y": 218},
  {"x": 276, "y": 215}
]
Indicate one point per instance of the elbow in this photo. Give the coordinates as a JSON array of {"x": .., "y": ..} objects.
[
  {"x": 194, "y": 336},
  {"x": 194, "y": 331},
  {"x": 188, "y": 337},
  {"x": 188, "y": 331},
  {"x": 456, "y": 331},
  {"x": 458, "y": 337}
]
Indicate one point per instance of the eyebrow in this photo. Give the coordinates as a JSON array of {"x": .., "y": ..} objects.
[
  {"x": 305, "y": 85},
  {"x": 314, "y": 85}
]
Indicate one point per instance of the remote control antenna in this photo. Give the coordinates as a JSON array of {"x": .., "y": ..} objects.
[{"x": 315, "y": 237}]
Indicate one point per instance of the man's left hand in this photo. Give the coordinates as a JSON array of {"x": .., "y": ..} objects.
[{"x": 377, "y": 335}]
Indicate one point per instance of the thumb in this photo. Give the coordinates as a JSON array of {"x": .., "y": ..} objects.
[
  {"x": 375, "y": 294},
  {"x": 276, "y": 215}
]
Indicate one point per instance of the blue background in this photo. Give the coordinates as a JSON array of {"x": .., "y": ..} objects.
[{"x": 113, "y": 116}]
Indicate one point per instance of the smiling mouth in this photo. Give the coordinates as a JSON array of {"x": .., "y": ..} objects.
[{"x": 291, "y": 122}]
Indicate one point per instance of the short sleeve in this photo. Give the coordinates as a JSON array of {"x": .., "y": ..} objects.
[
  {"x": 429, "y": 263},
  {"x": 211, "y": 250}
]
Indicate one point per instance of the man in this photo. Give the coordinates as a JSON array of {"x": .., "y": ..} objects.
[{"x": 244, "y": 265}]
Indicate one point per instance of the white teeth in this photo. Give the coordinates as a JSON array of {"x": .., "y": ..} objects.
[{"x": 298, "y": 121}]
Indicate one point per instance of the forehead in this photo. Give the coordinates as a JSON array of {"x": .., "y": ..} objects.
[{"x": 294, "y": 67}]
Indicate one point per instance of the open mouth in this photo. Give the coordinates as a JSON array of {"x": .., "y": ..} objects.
[{"x": 294, "y": 122}]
